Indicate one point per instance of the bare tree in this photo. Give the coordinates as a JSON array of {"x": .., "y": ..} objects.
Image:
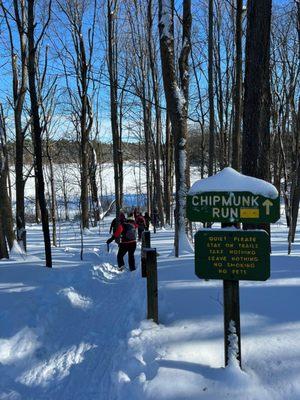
[
  {"x": 16, "y": 16},
  {"x": 295, "y": 111},
  {"x": 93, "y": 183},
  {"x": 168, "y": 170},
  {"x": 47, "y": 100},
  {"x": 79, "y": 59},
  {"x": 36, "y": 123},
  {"x": 112, "y": 57},
  {"x": 176, "y": 93},
  {"x": 237, "y": 86},
  {"x": 7, "y": 231},
  {"x": 211, "y": 87},
  {"x": 155, "y": 87},
  {"x": 256, "y": 126}
]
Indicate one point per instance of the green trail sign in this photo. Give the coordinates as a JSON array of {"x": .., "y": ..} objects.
[
  {"x": 231, "y": 207},
  {"x": 232, "y": 254}
]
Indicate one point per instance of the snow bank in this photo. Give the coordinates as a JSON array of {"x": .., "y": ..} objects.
[
  {"x": 229, "y": 180},
  {"x": 78, "y": 331}
]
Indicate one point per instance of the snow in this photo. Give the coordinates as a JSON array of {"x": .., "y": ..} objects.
[
  {"x": 233, "y": 347},
  {"x": 184, "y": 245},
  {"x": 79, "y": 331},
  {"x": 229, "y": 180},
  {"x": 181, "y": 102},
  {"x": 16, "y": 250},
  {"x": 70, "y": 174}
]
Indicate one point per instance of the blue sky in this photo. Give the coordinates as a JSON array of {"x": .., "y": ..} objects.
[{"x": 56, "y": 67}]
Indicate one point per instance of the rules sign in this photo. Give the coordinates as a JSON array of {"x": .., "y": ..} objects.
[{"x": 232, "y": 254}]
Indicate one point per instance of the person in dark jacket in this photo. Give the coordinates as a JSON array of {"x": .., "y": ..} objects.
[
  {"x": 135, "y": 213},
  {"x": 155, "y": 220},
  {"x": 147, "y": 219},
  {"x": 114, "y": 224},
  {"x": 126, "y": 231},
  {"x": 141, "y": 224}
]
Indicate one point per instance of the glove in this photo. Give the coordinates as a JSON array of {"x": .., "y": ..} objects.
[{"x": 110, "y": 240}]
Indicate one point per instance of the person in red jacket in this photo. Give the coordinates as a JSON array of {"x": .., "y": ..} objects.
[{"x": 126, "y": 231}]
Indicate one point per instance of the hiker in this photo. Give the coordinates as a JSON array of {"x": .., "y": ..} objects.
[
  {"x": 126, "y": 231},
  {"x": 136, "y": 212},
  {"x": 155, "y": 219},
  {"x": 147, "y": 219},
  {"x": 114, "y": 223},
  {"x": 141, "y": 224}
]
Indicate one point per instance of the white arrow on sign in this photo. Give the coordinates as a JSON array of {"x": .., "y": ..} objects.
[{"x": 267, "y": 203}]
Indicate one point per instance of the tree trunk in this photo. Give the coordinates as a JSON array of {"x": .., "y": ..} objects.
[
  {"x": 153, "y": 67},
  {"x": 93, "y": 184},
  {"x": 84, "y": 133},
  {"x": 147, "y": 134},
  {"x": 37, "y": 132},
  {"x": 5, "y": 202},
  {"x": 295, "y": 189},
  {"x": 18, "y": 52},
  {"x": 168, "y": 171},
  {"x": 211, "y": 150},
  {"x": 176, "y": 98},
  {"x": 3, "y": 247},
  {"x": 36, "y": 199},
  {"x": 112, "y": 67},
  {"x": 256, "y": 118},
  {"x": 256, "y": 127},
  {"x": 236, "y": 162},
  {"x": 222, "y": 156},
  {"x": 53, "y": 205}
]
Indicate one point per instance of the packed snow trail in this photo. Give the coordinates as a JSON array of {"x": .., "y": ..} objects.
[
  {"x": 78, "y": 331},
  {"x": 64, "y": 326}
]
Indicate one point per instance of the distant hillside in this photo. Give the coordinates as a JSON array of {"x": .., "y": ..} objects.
[{"x": 67, "y": 151}]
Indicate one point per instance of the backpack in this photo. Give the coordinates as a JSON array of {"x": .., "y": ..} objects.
[
  {"x": 141, "y": 221},
  {"x": 129, "y": 233}
]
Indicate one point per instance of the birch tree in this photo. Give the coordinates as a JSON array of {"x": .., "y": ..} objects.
[{"x": 176, "y": 93}]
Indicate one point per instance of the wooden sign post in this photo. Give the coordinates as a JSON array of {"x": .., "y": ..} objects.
[
  {"x": 228, "y": 253},
  {"x": 231, "y": 301}
]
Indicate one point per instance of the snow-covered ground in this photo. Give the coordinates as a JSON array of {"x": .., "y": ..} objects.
[
  {"x": 78, "y": 331},
  {"x": 134, "y": 176}
]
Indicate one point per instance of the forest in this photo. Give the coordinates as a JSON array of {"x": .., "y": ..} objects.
[{"x": 169, "y": 84}]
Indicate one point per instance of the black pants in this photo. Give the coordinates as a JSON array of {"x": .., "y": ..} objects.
[
  {"x": 140, "y": 232},
  {"x": 123, "y": 249}
]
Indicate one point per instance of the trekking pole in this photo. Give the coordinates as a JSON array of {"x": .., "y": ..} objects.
[{"x": 107, "y": 245}]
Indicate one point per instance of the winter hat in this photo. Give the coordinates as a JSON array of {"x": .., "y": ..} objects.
[
  {"x": 130, "y": 217},
  {"x": 121, "y": 217}
]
